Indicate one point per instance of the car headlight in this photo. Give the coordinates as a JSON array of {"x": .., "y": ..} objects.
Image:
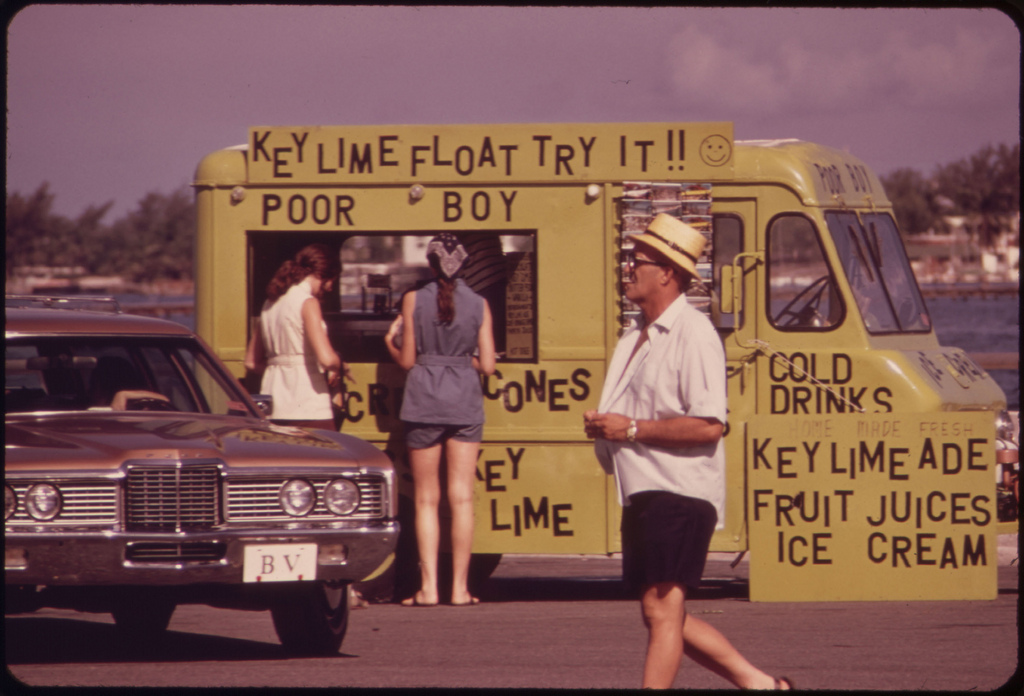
[
  {"x": 10, "y": 502},
  {"x": 341, "y": 496},
  {"x": 43, "y": 501},
  {"x": 297, "y": 497}
]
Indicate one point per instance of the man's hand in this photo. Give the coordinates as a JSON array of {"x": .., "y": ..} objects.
[
  {"x": 672, "y": 433},
  {"x": 605, "y": 426}
]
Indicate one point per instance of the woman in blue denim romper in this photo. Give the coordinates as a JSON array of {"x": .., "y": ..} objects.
[{"x": 444, "y": 340}]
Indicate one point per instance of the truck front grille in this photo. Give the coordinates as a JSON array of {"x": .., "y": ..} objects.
[{"x": 172, "y": 497}]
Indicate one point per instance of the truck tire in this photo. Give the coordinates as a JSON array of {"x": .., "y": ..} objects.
[
  {"x": 20, "y": 599},
  {"x": 143, "y": 619},
  {"x": 312, "y": 618}
]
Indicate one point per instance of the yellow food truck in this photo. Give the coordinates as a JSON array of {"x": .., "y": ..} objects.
[{"x": 863, "y": 457}]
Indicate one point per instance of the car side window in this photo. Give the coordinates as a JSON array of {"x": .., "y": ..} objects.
[
  {"x": 212, "y": 391},
  {"x": 24, "y": 387},
  {"x": 169, "y": 380}
]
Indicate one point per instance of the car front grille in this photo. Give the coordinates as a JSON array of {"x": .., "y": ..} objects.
[
  {"x": 256, "y": 499},
  {"x": 187, "y": 552},
  {"x": 172, "y": 497},
  {"x": 83, "y": 503}
]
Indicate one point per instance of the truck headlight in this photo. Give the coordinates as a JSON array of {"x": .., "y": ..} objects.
[
  {"x": 341, "y": 496},
  {"x": 1005, "y": 429},
  {"x": 10, "y": 502},
  {"x": 297, "y": 497},
  {"x": 1006, "y": 439},
  {"x": 43, "y": 501}
]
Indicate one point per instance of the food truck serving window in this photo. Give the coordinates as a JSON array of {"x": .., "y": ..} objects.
[{"x": 378, "y": 269}]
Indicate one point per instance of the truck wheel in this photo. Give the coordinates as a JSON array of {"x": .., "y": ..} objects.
[
  {"x": 143, "y": 618},
  {"x": 481, "y": 567},
  {"x": 312, "y": 619},
  {"x": 20, "y": 599}
]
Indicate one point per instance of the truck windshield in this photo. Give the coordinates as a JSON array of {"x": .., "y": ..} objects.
[{"x": 878, "y": 271}]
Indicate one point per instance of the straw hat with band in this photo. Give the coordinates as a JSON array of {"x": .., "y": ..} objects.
[{"x": 680, "y": 243}]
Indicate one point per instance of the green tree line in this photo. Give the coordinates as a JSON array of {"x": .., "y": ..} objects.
[
  {"x": 150, "y": 243},
  {"x": 984, "y": 188},
  {"x": 154, "y": 241}
]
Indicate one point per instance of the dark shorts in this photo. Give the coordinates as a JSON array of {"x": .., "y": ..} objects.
[
  {"x": 665, "y": 538},
  {"x": 423, "y": 435}
]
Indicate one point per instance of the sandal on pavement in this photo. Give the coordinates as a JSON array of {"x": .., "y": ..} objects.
[
  {"x": 414, "y": 602},
  {"x": 473, "y": 601}
]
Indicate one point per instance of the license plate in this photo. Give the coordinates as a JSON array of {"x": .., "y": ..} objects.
[{"x": 279, "y": 563}]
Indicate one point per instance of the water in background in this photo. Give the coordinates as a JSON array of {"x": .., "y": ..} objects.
[
  {"x": 980, "y": 325},
  {"x": 976, "y": 324}
]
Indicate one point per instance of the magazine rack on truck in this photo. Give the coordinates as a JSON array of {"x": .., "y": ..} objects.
[{"x": 862, "y": 456}]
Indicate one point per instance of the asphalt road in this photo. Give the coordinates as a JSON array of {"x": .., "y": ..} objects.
[{"x": 545, "y": 623}]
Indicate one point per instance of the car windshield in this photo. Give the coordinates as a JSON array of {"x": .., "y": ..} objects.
[
  {"x": 878, "y": 271},
  {"x": 116, "y": 374}
]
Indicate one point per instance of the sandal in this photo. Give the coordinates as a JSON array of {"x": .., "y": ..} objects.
[
  {"x": 473, "y": 601},
  {"x": 415, "y": 602}
]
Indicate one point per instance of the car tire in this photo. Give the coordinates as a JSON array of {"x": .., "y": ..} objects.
[
  {"x": 312, "y": 619},
  {"x": 144, "y": 618}
]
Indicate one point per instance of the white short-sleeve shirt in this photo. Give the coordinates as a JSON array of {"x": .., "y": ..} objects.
[{"x": 679, "y": 371}]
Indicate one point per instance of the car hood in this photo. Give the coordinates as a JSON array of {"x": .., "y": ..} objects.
[{"x": 106, "y": 441}]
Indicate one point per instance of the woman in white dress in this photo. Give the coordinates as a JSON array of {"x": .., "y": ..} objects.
[{"x": 290, "y": 345}]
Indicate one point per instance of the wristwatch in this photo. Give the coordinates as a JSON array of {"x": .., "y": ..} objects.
[{"x": 631, "y": 431}]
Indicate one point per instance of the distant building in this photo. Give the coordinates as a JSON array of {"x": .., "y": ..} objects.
[
  {"x": 955, "y": 256},
  {"x": 61, "y": 280}
]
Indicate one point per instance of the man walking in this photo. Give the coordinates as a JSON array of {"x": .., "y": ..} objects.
[{"x": 659, "y": 425}]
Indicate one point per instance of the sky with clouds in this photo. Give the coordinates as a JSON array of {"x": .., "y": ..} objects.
[{"x": 111, "y": 102}]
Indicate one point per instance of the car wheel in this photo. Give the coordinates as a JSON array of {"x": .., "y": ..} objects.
[
  {"x": 144, "y": 618},
  {"x": 312, "y": 619}
]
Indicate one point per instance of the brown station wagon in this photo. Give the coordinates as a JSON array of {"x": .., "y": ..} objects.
[{"x": 139, "y": 475}]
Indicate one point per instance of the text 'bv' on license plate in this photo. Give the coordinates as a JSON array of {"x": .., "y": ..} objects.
[{"x": 279, "y": 563}]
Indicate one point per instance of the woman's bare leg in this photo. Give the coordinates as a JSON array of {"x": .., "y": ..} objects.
[
  {"x": 461, "y": 479},
  {"x": 425, "y": 464}
]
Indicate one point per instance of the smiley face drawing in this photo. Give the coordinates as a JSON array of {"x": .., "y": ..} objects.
[{"x": 715, "y": 150}]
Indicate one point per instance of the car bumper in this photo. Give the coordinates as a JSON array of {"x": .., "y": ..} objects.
[{"x": 105, "y": 558}]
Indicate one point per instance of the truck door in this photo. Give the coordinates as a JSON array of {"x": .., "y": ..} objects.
[
  {"x": 852, "y": 495},
  {"x": 734, "y": 223}
]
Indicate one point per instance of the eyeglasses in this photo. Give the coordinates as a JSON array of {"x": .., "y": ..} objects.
[{"x": 630, "y": 262}]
